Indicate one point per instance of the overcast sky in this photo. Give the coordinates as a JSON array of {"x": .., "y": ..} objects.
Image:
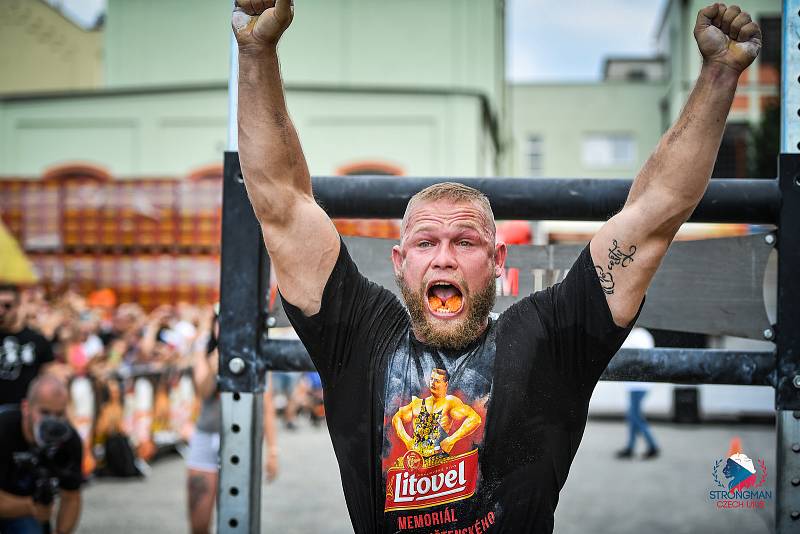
[
  {"x": 568, "y": 39},
  {"x": 547, "y": 39}
]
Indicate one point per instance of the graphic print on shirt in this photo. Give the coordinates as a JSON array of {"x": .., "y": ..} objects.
[
  {"x": 13, "y": 356},
  {"x": 433, "y": 424}
]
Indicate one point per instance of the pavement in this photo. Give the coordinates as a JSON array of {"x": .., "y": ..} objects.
[{"x": 669, "y": 494}]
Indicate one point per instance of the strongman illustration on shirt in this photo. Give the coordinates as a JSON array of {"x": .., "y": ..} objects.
[{"x": 432, "y": 420}]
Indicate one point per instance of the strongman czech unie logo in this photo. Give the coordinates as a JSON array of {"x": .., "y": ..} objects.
[{"x": 739, "y": 482}]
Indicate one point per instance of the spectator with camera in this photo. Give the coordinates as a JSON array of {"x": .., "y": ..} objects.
[
  {"x": 40, "y": 459},
  {"x": 23, "y": 351}
]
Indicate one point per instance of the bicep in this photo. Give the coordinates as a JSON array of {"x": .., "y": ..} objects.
[
  {"x": 405, "y": 413},
  {"x": 303, "y": 249},
  {"x": 463, "y": 411},
  {"x": 626, "y": 252}
]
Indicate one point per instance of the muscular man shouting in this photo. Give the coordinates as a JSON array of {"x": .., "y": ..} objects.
[{"x": 527, "y": 374}]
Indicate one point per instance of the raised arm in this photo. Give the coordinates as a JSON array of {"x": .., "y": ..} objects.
[
  {"x": 300, "y": 238},
  {"x": 628, "y": 249}
]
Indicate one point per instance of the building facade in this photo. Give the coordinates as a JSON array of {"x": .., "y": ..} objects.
[
  {"x": 112, "y": 177},
  {"x": 41, "y": 50},
  {"x": 370, "y": 85}
]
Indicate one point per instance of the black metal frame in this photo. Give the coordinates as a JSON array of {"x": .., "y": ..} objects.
[
  {"x": 787, "y": 387},
  {"x": 581, "y": 199},
  {"x": 246, "y": 352},
  {"x": 788, "y": 327}
]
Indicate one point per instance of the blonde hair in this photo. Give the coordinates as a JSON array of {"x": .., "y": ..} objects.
[{"x": 454, "y": 192}]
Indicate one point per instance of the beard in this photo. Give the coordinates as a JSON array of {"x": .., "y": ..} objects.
[{"x": 449, "y": 333}]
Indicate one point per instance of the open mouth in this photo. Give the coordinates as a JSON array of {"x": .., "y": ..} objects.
[{"x": 444, "y": 298}]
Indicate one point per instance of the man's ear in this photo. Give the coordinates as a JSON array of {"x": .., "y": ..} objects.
[
  {"x": 500, "y": 252},
  {"x": 397, "y": 260}
]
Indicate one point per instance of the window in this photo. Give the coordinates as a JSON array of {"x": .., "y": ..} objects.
[
  {"x": 600, "y": 151},
  {"x": 374, "y": 168},
  {"x": 636, "y": 75},
  {"x": 533, "y": 153}
]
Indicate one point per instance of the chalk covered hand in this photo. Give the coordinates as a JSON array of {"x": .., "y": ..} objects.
[
  {"x": 260, "y": 23},
  {"x": 727, "y": 35}
]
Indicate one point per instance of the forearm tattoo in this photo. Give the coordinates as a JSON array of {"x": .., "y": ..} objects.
[{"x": 617, "y": 257}]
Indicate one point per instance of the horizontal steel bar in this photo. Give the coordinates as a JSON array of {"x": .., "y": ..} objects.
[
  {"x": 693, "y": 366},
  {"x": 754, "y": 201},
  {"x": 679, "y": 366},
  {"x": 284, "y": 355}
]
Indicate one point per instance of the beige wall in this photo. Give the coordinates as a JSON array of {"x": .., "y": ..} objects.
[
  {"x": 154, "y": 133},
  {"x": 445, "y": 44},
  {"x": 367, "y": 81},
  {"x": 41, "y": 50},
  {"x": 564, "y": 115}
]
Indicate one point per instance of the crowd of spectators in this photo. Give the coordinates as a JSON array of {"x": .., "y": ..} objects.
[
  {"x": 93, "y": 344},
  {"x": 94, "y": 336}
]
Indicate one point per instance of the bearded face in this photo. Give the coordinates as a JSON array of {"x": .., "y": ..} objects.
[
  {"x": 445, "y": 267},
  {"x": 448, "y": 327}
]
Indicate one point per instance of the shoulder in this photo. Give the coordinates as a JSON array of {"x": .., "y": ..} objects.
[
  {"x": 347, "y": 287},
  {"x": 580, "y": 280},
  {"x": 29, "y": 334},
  {"x": 70, "y": 456},
  {"x": 347, "y": 266},
  {"x": 357, "y": 299},
  {"x": 10, "y": 427},
  {"x": 527, "y": 311},
  {"x": 10, "y": 414},
  {"x": 74, "y": 442},
  {"x": 452, "y": 400},
  {"x": 73, "y": 447},
  {"x": 42, "y": 345}
]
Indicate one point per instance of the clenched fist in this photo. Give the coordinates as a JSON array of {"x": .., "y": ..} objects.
[
  {"x": 259, "y": 23},
  {"x": 727, "y": 35}
]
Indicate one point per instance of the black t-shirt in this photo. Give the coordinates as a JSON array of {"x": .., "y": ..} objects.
[
  {"x": 21, "y": 355},
  {"x": 16, "y": 477},
  {"x": 516, "y": 404}
]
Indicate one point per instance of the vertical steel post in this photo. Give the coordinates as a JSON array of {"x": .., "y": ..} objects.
[
  {"x": 239, "y": 488},
  {"x": 787, "y": 385},
  {"x": 790, "y": 83},
  {"x": 233, "y": 97},
  {"x": 243, "y": 289},
  {"x": 787, "y": 390}
]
